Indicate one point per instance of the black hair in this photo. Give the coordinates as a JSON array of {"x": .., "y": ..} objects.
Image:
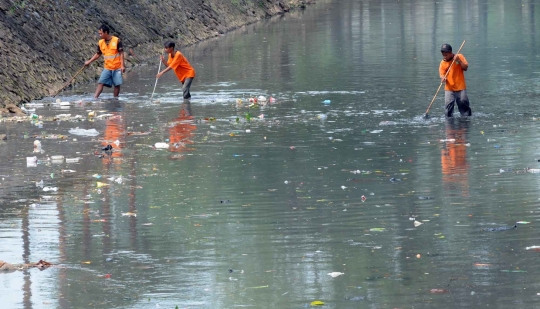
[
  {"x": 104, "y": 28},
  {"x": 169, "y": 44}
]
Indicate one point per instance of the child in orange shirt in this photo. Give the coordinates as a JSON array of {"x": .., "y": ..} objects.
[
  {"x": 455, "y": 89},
  {"x": 183, "y": 70}
]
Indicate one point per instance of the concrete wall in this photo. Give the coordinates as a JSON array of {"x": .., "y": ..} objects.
[{"x": 43, "y": 43}]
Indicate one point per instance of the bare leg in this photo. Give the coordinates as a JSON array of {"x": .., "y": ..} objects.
[
  {"x": 116, "y": 91},
  {"x": 99, "y": 89}
]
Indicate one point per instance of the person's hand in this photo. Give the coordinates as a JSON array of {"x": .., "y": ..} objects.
[
  {"x": 87, "y": 63},
  {"x": 123, "y": 68},
  {"x": 161, "y": 57},
  {"x": 456, "y": 59},
  {"x": 443, "y": 79},
  {"x": 159, "y": 74}
]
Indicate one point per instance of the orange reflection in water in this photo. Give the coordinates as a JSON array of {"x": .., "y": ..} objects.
[
  {"x": 182, "y": 130},
  {"x": 455, "y": 168},
  {"x": 114, "y": 135}
]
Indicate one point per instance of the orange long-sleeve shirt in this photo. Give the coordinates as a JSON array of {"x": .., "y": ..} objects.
[{"x": 455, "y": 81}]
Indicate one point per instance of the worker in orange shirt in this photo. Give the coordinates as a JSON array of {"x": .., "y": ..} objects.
[
  {"x": 113, "y": 53},
  {"x": 177, "y": 62},
  {"x": 455, "y": 89},
  {"x": 182, "y": 130}
]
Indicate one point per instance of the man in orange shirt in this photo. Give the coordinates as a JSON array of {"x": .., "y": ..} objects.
[
  {"x": 455, "y": 87},
  {"x": 111, "y": 48},
  {"x": 183, "y": 70}
]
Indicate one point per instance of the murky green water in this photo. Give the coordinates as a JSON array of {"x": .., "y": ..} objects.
[{"x": 256, "y": 206}]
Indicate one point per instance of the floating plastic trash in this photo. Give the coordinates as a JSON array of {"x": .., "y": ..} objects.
[
  {"x": 31, "y": 161},
  {"x": 37, "y": 146},
  {"x": 102, "y": 116},
  {"x": 327, "y": 101},
  {"x": 46, "y": 189},
  {"x": 84, "y": 132},
  {"x": 101, "y": 184},
  {"x": 261, "y": 98},
  {"x": 34, "y": 105},
  {"x": 388, "y": 123},
  {"x": 58, "y": 101},
  {"x": 39, "y": 184},
  {"x": 72, "y": 160},
  {"x": 161, "y": 145}
]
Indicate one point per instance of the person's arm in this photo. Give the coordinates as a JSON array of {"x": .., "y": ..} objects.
[
  {"x": 441, "y": 72},
  {"x": 163, "y": 60},
  {"x": 164, "y": 71},
  {"x": 120, "y": 48},
  {"x": 169, "y": 67},
  {"x": 94, "y": 58},
  {"x": 460, "y": 60},
  {"x": 123, "y": 67}
]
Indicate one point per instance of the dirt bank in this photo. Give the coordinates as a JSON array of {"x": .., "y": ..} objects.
[{"x": 44, "y": 42}]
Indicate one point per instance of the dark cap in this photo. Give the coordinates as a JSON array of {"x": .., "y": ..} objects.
[{"x": 446, "y": 48}]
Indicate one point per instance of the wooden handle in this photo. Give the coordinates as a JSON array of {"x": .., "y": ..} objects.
[{"x": 69, "y": 82}]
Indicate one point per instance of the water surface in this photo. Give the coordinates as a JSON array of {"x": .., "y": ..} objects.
[{"x": 254, "y": 206}]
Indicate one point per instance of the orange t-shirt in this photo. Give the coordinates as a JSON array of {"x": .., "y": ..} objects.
[
  {"x": 455, "y": 81},
  {"x": 181, "y": 66}
]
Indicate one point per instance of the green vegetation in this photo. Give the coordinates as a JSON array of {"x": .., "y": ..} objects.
[{"x": 15, "y": 6}]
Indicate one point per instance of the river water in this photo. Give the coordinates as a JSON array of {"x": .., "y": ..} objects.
[{"x": 339, "y": 191}]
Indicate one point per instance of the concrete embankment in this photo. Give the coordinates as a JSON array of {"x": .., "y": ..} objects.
[{"x": 44, "y": 42}]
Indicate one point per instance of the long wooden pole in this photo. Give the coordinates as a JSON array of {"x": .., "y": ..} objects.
[
  {"x": 444, "y": 79},
  {"x": 69, "y": 82},
  {"x": 159, "y": 69}
]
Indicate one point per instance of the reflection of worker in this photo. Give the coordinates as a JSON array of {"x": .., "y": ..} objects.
[
  {"x": 454, "y": 164},
  {"x": 115, "y": 134},
  {"x": 182, "y": 129}
]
